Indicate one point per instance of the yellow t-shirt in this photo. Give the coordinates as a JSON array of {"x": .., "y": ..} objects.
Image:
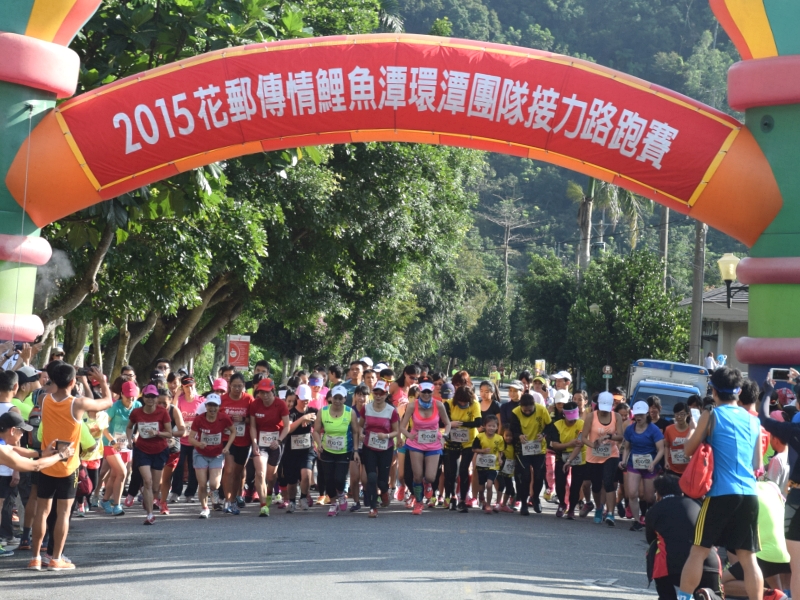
[
  {"x": 496, "y": 444},
  {"x": 533, "y": 425},
  {"x": 567, "y": 434},
  {"x": 470, "y": 413}
]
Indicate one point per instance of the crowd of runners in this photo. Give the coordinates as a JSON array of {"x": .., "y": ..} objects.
[{"x": 356, "y": 440}]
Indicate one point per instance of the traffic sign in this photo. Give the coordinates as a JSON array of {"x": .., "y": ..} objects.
[
  {"x": 607, "y": 370},
  {"x": 607, "y": 376}
]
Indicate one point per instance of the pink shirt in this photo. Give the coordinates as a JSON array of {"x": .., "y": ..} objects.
[
  {"x": 379, "y": 422},
  {"x": 189, "y": 412},
  {"x": 319, "y": 402},
  {"x": 418, "y": 423}
]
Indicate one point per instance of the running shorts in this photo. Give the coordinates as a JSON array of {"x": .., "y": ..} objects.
[{"x": 730, "y": 521}]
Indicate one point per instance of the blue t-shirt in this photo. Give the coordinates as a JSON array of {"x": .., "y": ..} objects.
[
  {"x": 733, "y": 440},
  {"x": 645, "y": 442},
  {"x": 118, "y": 417}
]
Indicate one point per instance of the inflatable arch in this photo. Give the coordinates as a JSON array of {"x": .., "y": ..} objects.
[{"x": 382, "y": 87}]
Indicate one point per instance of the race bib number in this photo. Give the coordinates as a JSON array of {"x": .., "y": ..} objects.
[
  {"x": 529, "y": 448},
  {"x": 148, "y": 430},
  {"x": 240, "y": 429},
  {"x": 565, "y": 457},
  {"x": 377, "y": 443},
  {"x": 678, "y": 457},
  {"x": 334, "y": 443},
  {"x": 459, "y": 435},
  {"x": 301, "y": 442},
  {"x": 428, "y": 436},
  {"x": 508, "y": 467},
  {"x": 121, "y": 440},
  {"x": 486, "y": 461},
  {"x": 602, "y": 451},
  {"x": 211, "y": 439},
  {"x": 265, "y": 438},
  {"x": 642, "y": 461}
]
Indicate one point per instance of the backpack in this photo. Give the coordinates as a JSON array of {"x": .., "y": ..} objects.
[{"x": 699, "y": 474}]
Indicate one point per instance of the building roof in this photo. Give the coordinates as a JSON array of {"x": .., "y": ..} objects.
[{"x": 715, "y": 307}]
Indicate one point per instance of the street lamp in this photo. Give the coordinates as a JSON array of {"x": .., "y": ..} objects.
[{"x": 727, "y": 269}]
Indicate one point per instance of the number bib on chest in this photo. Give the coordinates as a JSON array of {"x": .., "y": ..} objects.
[
  {"x": 459, "y": 435},
  {"x": 508, "y": 467},
  {"x": 121, "y": 440},
  {"x": 148, "y": 430},
  {"x": 679, "y": 457},
  {"x": 642, "y": 461},
  {"x": 211, "y": 439},
  {"x": 427, "y": 436},
  {"x": 301, "y": 442},
  {"x": 529, "y": 448},
  {"x": 239, "y": 428},
  {"x": 486, "y": 461},
  {"x": 265, "y": 438},
  {"x": 602, "y": 451},
  {"x": 334, "y": 443},
  {"x": 377, "y": 443}
]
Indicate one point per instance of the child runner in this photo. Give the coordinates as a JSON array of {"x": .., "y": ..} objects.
[{"x": 488, "y": 448}]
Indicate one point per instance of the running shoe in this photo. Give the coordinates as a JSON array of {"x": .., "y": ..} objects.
[
  {"x": 80, "y": 511},
  {"x": 240, "y": 503},
  {"x": 232, "y": 510},
  {"x": 128, "y": 502},
  {"x": 172, "y": 498},
  {"x": 355, "y": 507},
  {"x": 610, "y": 520},
  {"x": 373, "y": 513},
  {"x": 598, "y": 516},
  {"x": 487, "y": 508},
  {"x": 333, "y": 510},
  {"x": 586, "y": 509},
  {"x": 164, "y": 508},
  {"x": 496, "y": 508},
  {"x": 571, "y": 514},
  {"x": 282, "y": 504},
  {"x": 628, "y": 513},
  {"x": 204, "y": 514},
  {"x": 277, "y": 498},
  {"x": 554, "y": 499},
  {"x": 446, "y": 503},
  {"x": 401, "y": 493},
  {"x": 106, "y": 504},
  {"x": 469, "y": 502},
  {"x": 303, "y": 503},
  {"x": 117, "y": 510},
  {"x": 24, "y": 543},
  {"x": 216, "y": 501},
  {"x": 264, "y": 512},
  {"x": 547, "y": 495},
  {"x": 93, "y": 503},
  {"x": 523, "y": 509},
  {"x": 462, "y": 507},
  {"x": 35, "y": 564},
  {"x": 410, "y": 502},
  {"x": 428, "y": 491},
  {"x": 537, "y": 506},
  {"x": 150, "y": 520},
  {"x": 417, "y": 509},
  {"x": 6, "y": 553},
  {"x": 186, "y": 499},
  {"x": 342, "y": 503},
  {"x": 560, "y": 512},
  {"x": 60, "y": 565},
  {"x": 768, "y": 595},
  {"x": 46, "y": 558},
  {"x": 637, "y": 526},
  {"x": 291, "y": 507},
  {"x": 385, "y": 499},
  {"x": 323, "y": 500},
  {"x": 621, "y": 510}
]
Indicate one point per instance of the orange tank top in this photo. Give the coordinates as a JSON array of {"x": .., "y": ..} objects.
[
  {"x": 607, "y": 450},
  {"x": 59, "y": 424}
]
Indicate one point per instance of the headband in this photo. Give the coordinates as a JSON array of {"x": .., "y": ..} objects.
[{"x": 720, "y": 390}]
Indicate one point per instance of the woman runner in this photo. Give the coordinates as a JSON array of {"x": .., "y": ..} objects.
[
  {"x": 188, "y": 404},
  {"x": 464, "y": 415},
  {"x": 602, "y": 430},
  {"x": 642, "y": 451},
  {"x": 236, "y": 406},
  {"x": 675, "y": 436},
  {"x": 570, "y": 458},
  {"x": 381, "y": 426},
  {"x": 209, "y": 451},
  {"x": 299, "y": 458},
  {"x": 165, "y": 400},
  {"x": 116, "y": 451},
  {"x": 269, "y": 426}
]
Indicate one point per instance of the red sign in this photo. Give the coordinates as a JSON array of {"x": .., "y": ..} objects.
[{"x": 239, "y": 351}]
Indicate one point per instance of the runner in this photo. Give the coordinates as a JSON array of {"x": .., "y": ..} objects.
[
  {"x": 381, "y": 426},
  {"x": 565, "y": 439},
  {"x": 178, "y": 433},
  {"x": 602, "y": 431},
  {"x": 488, "y": 450},
  {"x": 97, "y": 422},
  {"x": 116, "y": 450},
  {"x": 299, "y": 457},
  {"x": 209, "y": 451},
  {"x": 424, "y": 442},
  {"x": 269, "y": 426},
  {"x": 151, "y": 450},
  {"x": 360, "y": 396},
  {"x": 675, "y": 436},
  {"x": 528, "y": 421},
  {"x": 505, "y": 478},
  {"x": 489, "y": 406},
  {"x": 643, "y": 449},
  {"x": 189, "y": 403},
  {"x": 464, "y": 413},
  {"x": 236, "y": 405},
  {"x": 336, "y": 433},
  {"x": 514, "y": 393}
]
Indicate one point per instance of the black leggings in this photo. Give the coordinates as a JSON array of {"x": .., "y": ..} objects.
[
  {"x": 524, "y": 466},
  {"x": 333, "y": 471},
  {"x": 604, "y": 475},
  {"x": 505, "y": 485},
  {"x": 135, "y": 484},
  {"x": 578, "y": 476},
  {"x": 377, "y": 464},
  {"x": 177, "y": 475},
  {"x": 452, "y": 467}
]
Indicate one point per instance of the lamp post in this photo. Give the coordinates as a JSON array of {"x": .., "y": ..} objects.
[{"x": 727, "y": 269}]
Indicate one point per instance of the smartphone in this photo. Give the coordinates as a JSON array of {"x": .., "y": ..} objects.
[
  {"x": 779, "y": 374},
  {"x": 61, "y": 446},
  {"x": 82, "y": 372}
]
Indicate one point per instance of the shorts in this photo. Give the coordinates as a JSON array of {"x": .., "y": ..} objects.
[
  {"x": 273, "y": 456},
  {"x": 58, "y": 488},
  {"x": 730, "y": 521},
  {"x": 791, "y": 515},
  {"x": 294, "y": 461},
  {"x": 603, "y": 475},
  {"x": 155, "y": 461},
  {"x": 643, "y": 473},
  {"x": 172, "y": 461},
  {"x": 125, "y": 455},
  {"x": 427, "y": 453},
  {"x": 207, "y": 462},
  {"x": 768, "y": 569},
  {"x": 240, "y": 454},
  {"x": 402, "y": 449},
  {"x": 5, "y": 487},
  {"x": 486, "y": 475}
]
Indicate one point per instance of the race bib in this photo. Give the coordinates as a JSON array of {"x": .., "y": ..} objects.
[
  {"x": 459, "y": 435},
  {"x": 301, "y": 442},
  {"x": 678, "y": 457},
  {"x": 642, "y": 461},
  {"x": 121, "y": 440},
  {"x": 334, "y": 443},
  {"x": 508, "y": 467},
  {"x": 486, "y": 461},
  {"x": 265, "y": 438},
  {"x": 240, "y": 429},
  {"x": 148, "y": 430},
  {"x": 565, "y": 457},
  {"x": 602, "y": 451},
  {"x": 211, "y": 439},
  {"x": 529, "y": 448},
  {"x": 377, "y": 443},
  {"x": 428, "y": 436}
]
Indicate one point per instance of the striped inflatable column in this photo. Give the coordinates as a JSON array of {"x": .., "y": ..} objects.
[{"x": 36, "y": 69}]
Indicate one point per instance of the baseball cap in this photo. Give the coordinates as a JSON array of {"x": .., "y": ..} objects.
[
  {"x": 219, "y": 384},
  {"x": 213, "y": 399},
  {"x": 265, "y": 385},
  {"x": 447, "y": 391},
  {"x": 381, "y": 385},
  {"x": 367, "y": 361},
  {"x": 315, "y": 381},
  {"x": 303, "y": 392},
  {"x": 187, "y": 380},
  {"x": 562, "y": 375},
  {"x": 130, "y": 390},
  {"x": 517, "y": 385},
  {"x": 27, "y": 374},
  {"x": 605, "y": 401},
  {"x": 561, "y": 397},
  {"x": 149, "y": 390},
  {"x": 380, "y": 367},
  {"x": 12, "y": 419},
  {"x": 540, "y": 379},
  {"x": 426, "y": 386},
  {"x": 157, "y": 375},
  {"x": 339, "y": 390},
  {"x": 640, "y": 408}
]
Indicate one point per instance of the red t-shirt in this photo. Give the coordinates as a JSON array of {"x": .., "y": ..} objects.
[
  {"x": 268, "y": 418},
  {"x": 149, "y": 441},
  {"x": 674, "y": 444},
  {"x": 237, "y": 411},
  {"x": 211, "y": 433}
]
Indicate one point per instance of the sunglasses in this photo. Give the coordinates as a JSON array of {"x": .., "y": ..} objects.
[{"x": 426, "y": 392}]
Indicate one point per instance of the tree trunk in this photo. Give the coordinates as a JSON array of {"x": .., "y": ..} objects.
[
  {"x": 696, "y": 334},
  {"x": 663, "y": 241},
  {"x": 219, "y": 354},
  {"x": 226, "y": 314},
  {"x": 585, "y": 226},
  {"x": 74, "y": 339},
  {"x": 98, "y": 353},
  {"x": 286, "y": 373},
  {"x": 507, "y": 235},
  {"x": 296, "y": 362},
  {"x": 122, "y": 349}
]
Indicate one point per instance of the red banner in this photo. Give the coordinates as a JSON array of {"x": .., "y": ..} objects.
[{"x": 239, "y": 351}]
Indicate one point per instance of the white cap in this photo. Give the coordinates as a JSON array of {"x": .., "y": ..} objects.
[
  {"x": 303, "y": 392},
  {"x": 605, "y": 401},
  {"x": 339, "y": 390},
  {"x": 561, "y": 397},
  {"x": 426, "y": 385},
  {"x": 282, "y": 394},
  {"x": 517, "y": 385},
  {"x": 213, "y": 399},
  {"x": 562, "y": 375},
  {"x": 366, "y": 360},
  {"x": 640, "y": 408},
  {"x": 381, "y": 385},
  {"x": 381, "y": 366},
  {"x": 537, "y": 398}
]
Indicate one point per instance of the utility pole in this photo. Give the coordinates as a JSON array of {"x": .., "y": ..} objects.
[
  {"x": 585, "y": 224},
  {"x": 663, "y": 241},
  {"x": 696, "y": 333}
]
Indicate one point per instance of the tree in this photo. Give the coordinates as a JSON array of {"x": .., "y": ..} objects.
[{"x": 491, "y": 338}]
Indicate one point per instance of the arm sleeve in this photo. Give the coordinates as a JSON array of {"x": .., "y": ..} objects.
[
  {"x": 789, "y": 433},
  {"x": 476, "y": 444},
  {"x": 476, "y": 422},
  {"x": 552, "y": 434},
  {"x": 516, "y": 427}
]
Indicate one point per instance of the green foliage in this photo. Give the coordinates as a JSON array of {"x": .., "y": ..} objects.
[{"x": 491, "y": 338}]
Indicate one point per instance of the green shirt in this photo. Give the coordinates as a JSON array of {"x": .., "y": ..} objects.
[
  {"x": 770, "y": 523},
  {"x": 24, "y": 406}
]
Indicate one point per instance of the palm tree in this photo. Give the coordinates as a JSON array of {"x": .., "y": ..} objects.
[{"x": 389, "y": 18}]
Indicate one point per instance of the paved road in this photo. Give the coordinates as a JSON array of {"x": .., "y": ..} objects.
[{"x": 308, "y": 555}]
